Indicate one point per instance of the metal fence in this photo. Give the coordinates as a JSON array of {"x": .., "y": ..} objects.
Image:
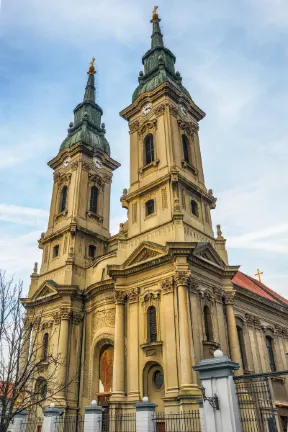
[
  {"x": 31, "y": 425},
  {"x": 179, "y": 422},
  {"x": 119, "y": 422},
  {"x": 70, "y": 424},
  {"x": 257, "y": 413}
]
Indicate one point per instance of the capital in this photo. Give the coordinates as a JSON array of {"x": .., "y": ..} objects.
[
  {"x": 167, "y": 285},
  {"x": 120, "y": 296},
  {"x": 229, "y": 297},
  {"x": 182, "y": 278},
  {"x": 133, "y": 294}
]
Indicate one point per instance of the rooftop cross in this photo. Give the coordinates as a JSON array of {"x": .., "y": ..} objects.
[{"x": 258, "y": 274}]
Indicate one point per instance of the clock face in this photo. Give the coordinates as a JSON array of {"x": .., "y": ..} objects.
[
  {"x": 183, "y": 109},
  {"x": 66, "y": 162},
  {"x": 147, "y": 108},
  {"x": 97, "y": 162}
]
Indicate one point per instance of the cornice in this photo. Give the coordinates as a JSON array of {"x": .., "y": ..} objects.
[
  {"x": 98, "y": 287},
  {"x": 206, "y": 265},
  {"x": 115, "y": 271},
  {"x": 85, "y": 149},
  {"x": 210, "y": 198},
  {"x": 165, "y": 89},
  {"x": 255, "y": 299}
]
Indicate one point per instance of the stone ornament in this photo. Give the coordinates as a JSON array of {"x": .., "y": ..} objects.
[
  {"x": 218, "y": 293},
  {"x": 134, "y": 127},
  {"x": 159, "y": 110},
  {"x": 104, "y": 318},
  {"x": 133, "y": 294},
  {"x": 167, "y": 285}
]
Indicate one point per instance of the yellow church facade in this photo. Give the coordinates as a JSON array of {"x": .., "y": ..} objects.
[{"x": 132, "y": 313}]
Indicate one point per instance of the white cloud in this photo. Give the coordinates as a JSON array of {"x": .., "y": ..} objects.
[{"x": 23, "y": 215}]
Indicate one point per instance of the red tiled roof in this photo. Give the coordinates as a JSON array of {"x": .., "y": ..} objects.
[{"x": 253, "y": 285}]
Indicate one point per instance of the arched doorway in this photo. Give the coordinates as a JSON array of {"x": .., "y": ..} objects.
[
  {"x": 153, "y": 384},
  {"x": 105, "y": 374}
]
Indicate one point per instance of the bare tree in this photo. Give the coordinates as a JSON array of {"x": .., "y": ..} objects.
[{"x": 29, "y": 370}]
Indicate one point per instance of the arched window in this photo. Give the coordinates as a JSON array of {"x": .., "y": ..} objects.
[
  {"x": 93, "y": 199},
  {"x": 207, "y": 324},
  {"x": 269, "y": 345},
  {"x": 242, "y": 346},
  {"x": 150, "y": 207},
  {"x": 41, "y": 389},
  {"x": 45, "y": 346},
  {"x": 106, "y": 369},
  {"x": 194, "y": 208},
  {"x": 149, "y": 149},
  {"x": 63, "y": 199},
  {"x": 185, "y": 146},
  {"x": 152, "y": 324}
]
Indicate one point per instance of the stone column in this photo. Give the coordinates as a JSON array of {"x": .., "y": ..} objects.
[
  {"x": 65, "y": 315},
  {"x": 19, "y": 419},
  {"x": 145, "y": 415},
  {"x": 232, "y": 330},
  {"x": 170, "y": 363},
  {"x": 222, "y": 330},
  {"x": 216, "y": 375},
  {"x": 119, "y": 348},
  {"x": 133, "y": 345},
  {"x": 93, "y": 418},
  {"x": 182, "y": 279}
]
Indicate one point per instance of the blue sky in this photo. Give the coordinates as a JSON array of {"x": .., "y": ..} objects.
[{"x": 232, "y": 55}]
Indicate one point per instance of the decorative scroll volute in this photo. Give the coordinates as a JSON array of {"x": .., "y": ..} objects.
[
  {"x": 120, "y": 296},
  {"x": 182, "y": 278},
  {"x": 229, "y": 297},
  {"x": 167, "y": 285}
]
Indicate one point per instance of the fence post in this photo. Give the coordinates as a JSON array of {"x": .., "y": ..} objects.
[
  {"x": 145, "y": 416},
  {"x": 93, "y": 418},
  {"x": 216, "y": 375},
  {"x": 50, "y": 415},
  {"x": 19, "y": 418}
]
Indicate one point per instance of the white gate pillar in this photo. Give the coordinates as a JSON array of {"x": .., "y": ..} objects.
[
  {"x": 50, "y": 415},
  {"x": 216, "y": 375},
  {"x": 145, "y": 416},
  {"x": 20, "y": 418},
  {"x": 93, "y": 418}
]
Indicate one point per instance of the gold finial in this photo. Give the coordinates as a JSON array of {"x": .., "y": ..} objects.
[
  {"x": 91, "y": 70},
  {"x": 258, "y": 274},
  {"x": 155, "y": 17}
]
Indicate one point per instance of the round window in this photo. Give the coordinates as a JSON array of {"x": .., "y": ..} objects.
[{"x": 158, "y": 379}]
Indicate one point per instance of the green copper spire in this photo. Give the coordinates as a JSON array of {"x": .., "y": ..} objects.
[
  {"x": 90, "y": 87},
  {"x": 159, "y": 64},
  {"x": 157, "y": 37},
  {"x": 87, "y": 128}
]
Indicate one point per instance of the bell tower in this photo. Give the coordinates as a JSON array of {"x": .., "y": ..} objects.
[
  {"x": 166, "y": 175},
  {"x": 78, "y": 228}
]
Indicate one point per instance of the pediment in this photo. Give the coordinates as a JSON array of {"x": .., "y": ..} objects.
[
  {"x": 206, "y": 252},
  {"x": 145, "y": 252},
  {"x": 46, "y": 289}
]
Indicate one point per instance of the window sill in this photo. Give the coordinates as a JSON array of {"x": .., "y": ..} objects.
[
  {"x": 148, "y": 166},
  {"x": 95, "y": 216},
  {"x": 186, "y": 165},
  {"x": 149, "y": 216},
  {"x": 61, "y": 214},
  {"x": 152, "y": 348}
]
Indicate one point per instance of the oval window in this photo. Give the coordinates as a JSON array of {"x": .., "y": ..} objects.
[{"x": 158, "y": 379}]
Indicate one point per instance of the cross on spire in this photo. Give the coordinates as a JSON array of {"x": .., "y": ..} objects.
[{"x": 258, "y": 274}]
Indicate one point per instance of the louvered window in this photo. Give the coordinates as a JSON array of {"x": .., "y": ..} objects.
[
  {"x": 45, "y": 346},
  {"x": 207, "y": 324},
  {"x": 149, "y": 149},
  {"x": 63, "y": 199},
  {"x": 269, "y": 345},
  {"x": 93, "y": 199},
  {"x": 152, "y": 325},
  {"x": 185, "y": 146}
]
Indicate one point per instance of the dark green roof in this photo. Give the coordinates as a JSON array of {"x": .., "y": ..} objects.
[
  {"x": 159, "y": 65},
  {"x": 87, "y": 128}
]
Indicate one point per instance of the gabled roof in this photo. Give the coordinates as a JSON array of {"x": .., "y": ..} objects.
[{"x": 253, "y": 285}]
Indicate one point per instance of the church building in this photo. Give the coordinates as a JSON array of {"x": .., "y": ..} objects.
[{"x": 135, "y": 311}]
